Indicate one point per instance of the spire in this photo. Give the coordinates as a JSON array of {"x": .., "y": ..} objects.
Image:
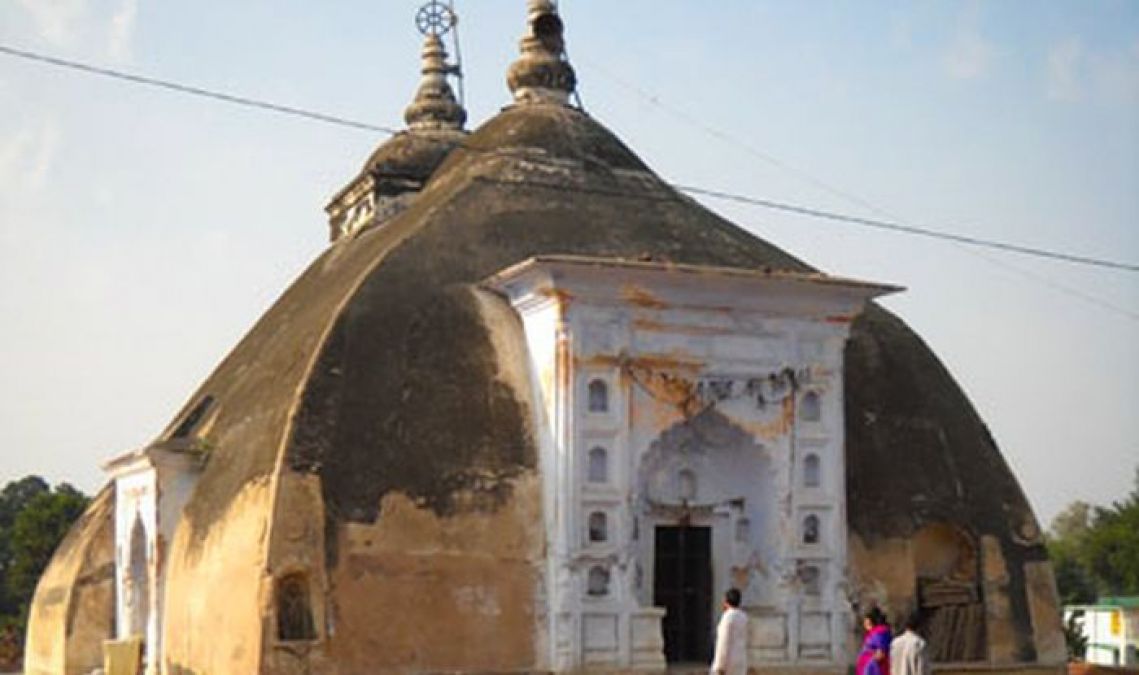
[
  {"x": 542, "y": 74},
  {"x": 435, "y": 107}
]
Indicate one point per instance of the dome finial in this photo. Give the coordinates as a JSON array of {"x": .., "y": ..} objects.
[
  {"x": 435, "y": 106},
  {"x": 542, "y": 74}
]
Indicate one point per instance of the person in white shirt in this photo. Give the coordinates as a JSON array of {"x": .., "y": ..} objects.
[
  {"x": 907, "y": 651},
  {"x": 731, "y": 638}
]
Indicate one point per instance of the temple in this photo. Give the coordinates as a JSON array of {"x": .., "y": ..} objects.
[{"x": 534, "y": 410}]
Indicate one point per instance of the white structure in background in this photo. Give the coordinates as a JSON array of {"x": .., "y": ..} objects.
[
  {"x": 152, "y": 486},
  {"x": 1112, "y": 629},
  {"x": 692, "y": 440}
]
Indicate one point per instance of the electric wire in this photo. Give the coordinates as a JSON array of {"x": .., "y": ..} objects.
[
  {"x": 694, "y": 190},
  {"x": 196, "y": 91},
  {"x": 740, "y": 144},
  {"x": 911, "y": 229},
  {"x": 697, "y": 123}
]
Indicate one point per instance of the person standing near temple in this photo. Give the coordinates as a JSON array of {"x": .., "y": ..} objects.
[
  {"x": 907, "y": 651},
  {"x": 874, "y": 659},
  {"x": 731, "y": 638}
]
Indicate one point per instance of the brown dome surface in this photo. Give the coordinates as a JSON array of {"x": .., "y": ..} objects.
[{"x": 375, "y": 370}]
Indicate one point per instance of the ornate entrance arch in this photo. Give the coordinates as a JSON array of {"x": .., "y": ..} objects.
[{"x": 705, "y": 500}]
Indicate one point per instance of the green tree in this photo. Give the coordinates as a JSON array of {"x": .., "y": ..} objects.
[
  {"x": 1074, "y": 580},
  {"x": 1073, "y": 522},
  {"x": 33, "y": 520},
  {"x": 1066, "y": 541},
  {"x": 1111, "y": 546},
  {"x": 13, "y": 499}
]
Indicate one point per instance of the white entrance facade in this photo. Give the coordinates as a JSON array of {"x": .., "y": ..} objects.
[
  {"x": 151, "y": 488},
  {"x": 691, "y": 440}
]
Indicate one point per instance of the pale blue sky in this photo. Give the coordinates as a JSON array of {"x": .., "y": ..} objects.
[{"x": 142, "y": 232}]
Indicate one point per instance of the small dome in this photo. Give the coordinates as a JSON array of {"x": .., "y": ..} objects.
[
  {"x": 399, "y": 168},
  {"x": 410, "y": 155}
]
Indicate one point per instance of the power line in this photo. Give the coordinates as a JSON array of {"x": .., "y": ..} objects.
[
  {"x": 717, "y": 194},
  {"x": 740, "y": 144},
  {"x": 911, "y": 229},
  {"x": 195, "y": 91},
  {"x": 728, "y": 139}
]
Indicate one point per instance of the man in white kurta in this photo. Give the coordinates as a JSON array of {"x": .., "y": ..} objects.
[
  {"x": 731, "y": 638},
  {"x": 907, "y": 652}
]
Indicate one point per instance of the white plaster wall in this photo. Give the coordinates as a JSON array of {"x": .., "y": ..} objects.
[
  {"x": 153, "y": 486},
  {"x": 707, "y": 332},
  {"x": 175, "y": 484},
  {"x": 135, "y": 497}
]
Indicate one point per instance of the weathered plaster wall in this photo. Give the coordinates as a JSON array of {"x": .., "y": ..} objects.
[
  {"x": 917, "y": 454},
  {"x": 215, "y": 600},
  {"x": 1044, "y": 607},
  {"x": 884, "y": 572},
  {"x": 296, "y": 548},
  {"x": 73, "y": 609},
  {"x": 442, "y": 570},
  {"x": 419, "y": 592}
]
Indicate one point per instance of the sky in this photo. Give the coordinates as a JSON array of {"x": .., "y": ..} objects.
[{"x": 142, "y": 232}]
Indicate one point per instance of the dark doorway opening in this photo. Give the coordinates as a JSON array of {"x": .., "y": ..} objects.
[{"x": 682, "y": 584}]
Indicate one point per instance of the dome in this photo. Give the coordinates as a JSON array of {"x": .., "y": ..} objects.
[
  {"x": 358, "y": 377},
  {"x": 379, "y": 407}
]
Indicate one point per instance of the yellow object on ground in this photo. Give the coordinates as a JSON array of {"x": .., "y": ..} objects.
[{"x": 123, "y": 657}]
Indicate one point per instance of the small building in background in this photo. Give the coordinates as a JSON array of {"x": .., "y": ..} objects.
[{"x": 1111, "y": 627}]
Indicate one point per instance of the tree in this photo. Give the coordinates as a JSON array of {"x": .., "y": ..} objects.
[
  {"x": 1074, "y": 580},
  {"x": 1066, "y": 540},
  {"x": 1074, "y": 636},
  {"x": 36, "y": 532},
  {"x": 1095, "y": 552},
  {"x": 1112, "y": 546},
  {"x": 13, "y": 499},
  {"x": 33, "y": 520},
  {"x": 1073, "y": 522}
]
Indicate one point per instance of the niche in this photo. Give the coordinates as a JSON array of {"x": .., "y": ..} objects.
[
  {"x": 138, "y": 578},
  {"x": 598, "y": 396},
  {"x": 598, "y": 527},
  {"x": 811, "y": 579},
  {"x": 811, "y": 407},
  {"x": 945, "y": 561},
  {"x": 743, "y": 530},
  {"x": 598, "y": 465},
  {"x": 598, "y": 582},
  {"x": 812, "y": 471},
  {"x": 294, "y": 609},
  {"x": 811, "y": 529}
]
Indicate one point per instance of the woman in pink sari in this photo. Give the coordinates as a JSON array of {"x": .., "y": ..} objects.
[{"x": 874, "y": 659}]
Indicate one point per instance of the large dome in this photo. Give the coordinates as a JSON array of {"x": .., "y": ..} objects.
[
  {"x": 381, "y": 387},
  {"x": 377, "y": 347}
]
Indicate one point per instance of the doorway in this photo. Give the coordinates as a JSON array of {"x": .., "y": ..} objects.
[{"x": 682, "y": 585}]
